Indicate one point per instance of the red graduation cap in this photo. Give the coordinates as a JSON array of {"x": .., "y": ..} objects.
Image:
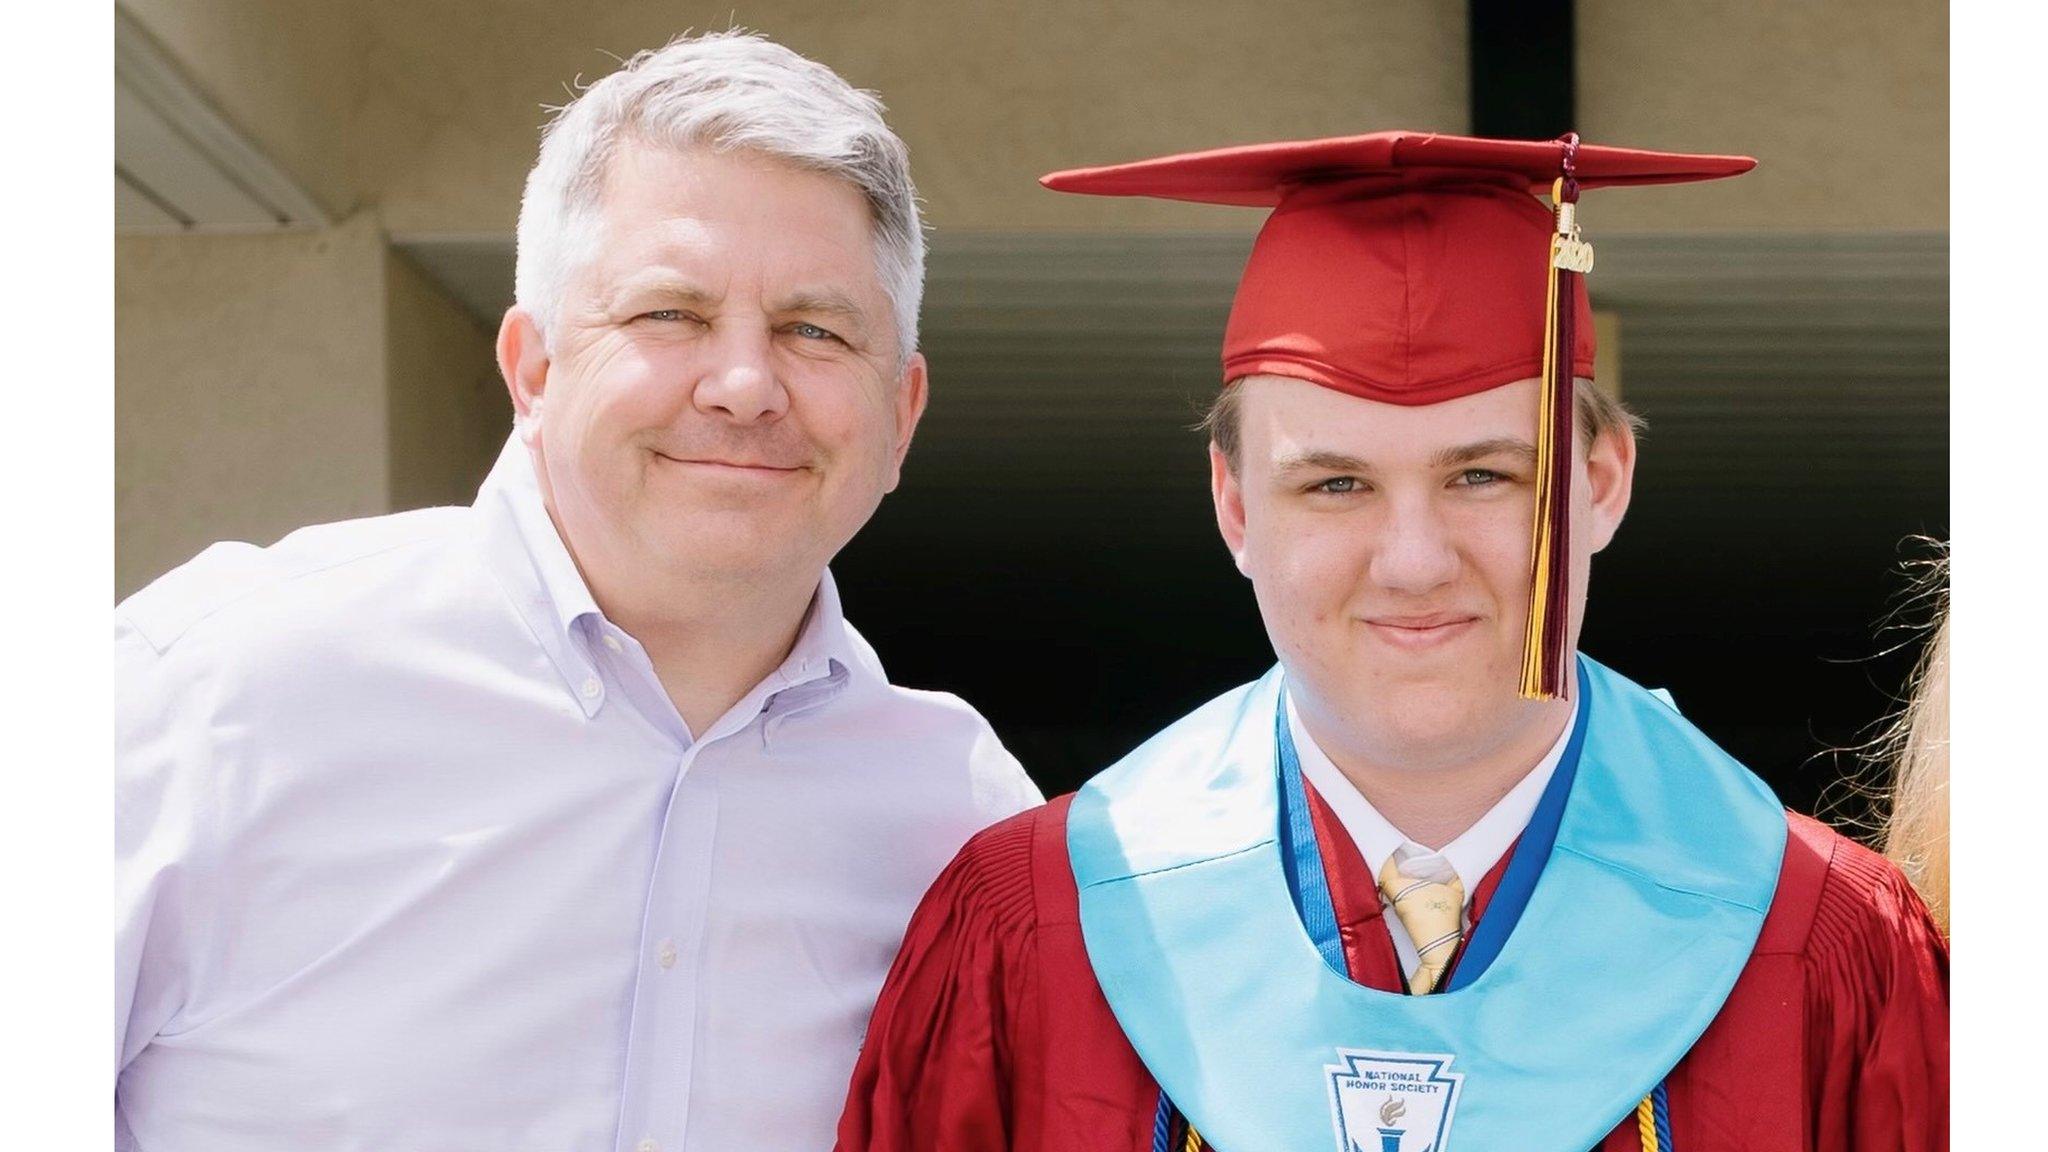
[{"x": 1414, "y": 268}]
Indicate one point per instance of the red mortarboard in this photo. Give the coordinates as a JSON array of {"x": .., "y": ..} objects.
[{"x": 1414, "y": 268}]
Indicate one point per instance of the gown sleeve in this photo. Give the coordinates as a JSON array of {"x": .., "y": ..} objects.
[
  {"x": 936, "y": 1069},
  {"x": 1877, "y": 1013}
]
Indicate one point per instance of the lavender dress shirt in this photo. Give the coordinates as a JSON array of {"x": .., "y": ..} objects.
[{"x": 413, "y": 852}]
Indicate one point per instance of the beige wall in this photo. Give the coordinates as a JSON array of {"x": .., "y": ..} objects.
[
  {"x": 429, "y": 109},
  {"x": 1844, "y": 103},
  {"x": 267, "y": 382},
  {"x": 249, "y": 389},
  {"x": 988, "y": 95},
  {"x": 286, "y": 73},
  {"x": 448, "y": 413}
]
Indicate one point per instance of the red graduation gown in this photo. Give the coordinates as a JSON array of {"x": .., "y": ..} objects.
[{"x": 991, "y": 1033}]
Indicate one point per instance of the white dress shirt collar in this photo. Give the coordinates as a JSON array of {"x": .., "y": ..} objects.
[{"x": 1471, "y": 856}]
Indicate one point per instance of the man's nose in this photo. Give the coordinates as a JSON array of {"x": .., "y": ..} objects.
[
  {"x": 1416, "y": 554},
  {"x": 739, "y": 382}
]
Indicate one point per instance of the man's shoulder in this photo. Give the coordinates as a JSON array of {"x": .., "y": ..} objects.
[
  {"x": 315, "y": 572},
  {"x": 941, "y": 715},
  {"x": 940, "y": 731}
]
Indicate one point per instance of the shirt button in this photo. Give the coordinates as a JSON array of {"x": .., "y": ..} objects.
[
  {"x": 647, "y": 1145},
  {"x": 592, "y": 687},
  {"x": 612, "y": 642},
  {"x": 666, "y": 954}
]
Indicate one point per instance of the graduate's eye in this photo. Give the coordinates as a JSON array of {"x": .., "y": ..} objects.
[
  {"x": 1479, "y": 478},
  {"x": 1338, "y": 485}
]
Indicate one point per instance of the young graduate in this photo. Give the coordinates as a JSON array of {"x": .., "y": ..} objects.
[{"x": 1436, "y": 883}]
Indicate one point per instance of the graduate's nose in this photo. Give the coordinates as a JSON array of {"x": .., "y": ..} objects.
[{"x": 1415, "y": 555}]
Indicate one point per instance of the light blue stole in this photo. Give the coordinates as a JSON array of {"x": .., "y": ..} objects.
[{"x": 1634, "y": 930}]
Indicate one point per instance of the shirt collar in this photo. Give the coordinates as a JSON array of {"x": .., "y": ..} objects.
[
  {"x": 512, "y": 493},
  {"x": 1471, "y": 856},
  {"x": 525, "y": 551},
  {"x": 823, "y": 641}
]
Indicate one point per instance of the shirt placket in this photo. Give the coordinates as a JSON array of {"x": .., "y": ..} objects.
[{"x": 662, "y": 1043}]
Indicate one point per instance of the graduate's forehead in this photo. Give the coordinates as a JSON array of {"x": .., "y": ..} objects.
[{"x": 1284, "y": 421}]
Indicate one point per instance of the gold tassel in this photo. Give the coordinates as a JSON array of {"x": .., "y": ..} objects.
[{"x": 1537, "y": 682}]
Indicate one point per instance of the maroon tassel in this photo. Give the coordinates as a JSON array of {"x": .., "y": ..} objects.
[
  {"x": 1545, "y": 673},
  {"x": 1557, "y": 622}
]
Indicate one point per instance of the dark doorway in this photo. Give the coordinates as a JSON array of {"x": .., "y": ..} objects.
[{"x": 1052, "y": 555}]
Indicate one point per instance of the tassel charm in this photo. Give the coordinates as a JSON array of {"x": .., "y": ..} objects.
[{"x": 1568, "y": 251}]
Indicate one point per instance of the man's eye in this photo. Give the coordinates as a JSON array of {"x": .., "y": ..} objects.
[
  {"x": 813, "y": 332},
  {"x": 1479, "y": 477},
  {"x": 665, "y": 314},
  {"x": 1338, "y": 484}
]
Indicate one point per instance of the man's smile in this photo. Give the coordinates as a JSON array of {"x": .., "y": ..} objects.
[{"x": 733, "y": 468}]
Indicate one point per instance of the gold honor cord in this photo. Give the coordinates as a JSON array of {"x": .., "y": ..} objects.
[{"x": 1646, "y": 1124}]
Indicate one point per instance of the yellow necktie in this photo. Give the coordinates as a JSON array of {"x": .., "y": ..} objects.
[{"x": 1433, "y": 914}]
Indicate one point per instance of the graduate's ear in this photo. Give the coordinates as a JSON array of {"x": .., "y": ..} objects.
[
  {"x": 1229, "y": 498},
  {"x": 1610, "y": 479},
  {"x": 523, "y": 362}
]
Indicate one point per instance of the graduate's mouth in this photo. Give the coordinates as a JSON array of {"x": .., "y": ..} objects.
[{"x": 1421, "y": 631}]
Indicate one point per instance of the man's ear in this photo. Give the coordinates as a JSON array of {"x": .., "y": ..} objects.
[
  {"x": 523, "y": 362},
  {"x": 912, "y": 390},
  {"x": 1610, "y": 480},
  {"x": 1229, "y": 499}
]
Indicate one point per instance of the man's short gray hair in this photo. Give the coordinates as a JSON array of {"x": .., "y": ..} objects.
[{"x": 724, "y": 91}]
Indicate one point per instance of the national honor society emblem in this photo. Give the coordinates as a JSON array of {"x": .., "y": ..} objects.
[{"x": 1392, "y": 1101}]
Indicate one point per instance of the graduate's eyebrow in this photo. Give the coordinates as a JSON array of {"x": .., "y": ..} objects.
[
  {"x": 1322, "y": 460},
  {"x": 1326, "y": 460},
  {"x": 1485, "y": 449}
]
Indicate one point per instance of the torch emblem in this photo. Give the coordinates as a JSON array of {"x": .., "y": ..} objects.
[
  {"x": 1390, "y": 1136},
  {"x": 1392, "y": 1101}
]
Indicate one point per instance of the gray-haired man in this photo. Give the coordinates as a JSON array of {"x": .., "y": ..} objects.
[{"x": 578, "y": 818}]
